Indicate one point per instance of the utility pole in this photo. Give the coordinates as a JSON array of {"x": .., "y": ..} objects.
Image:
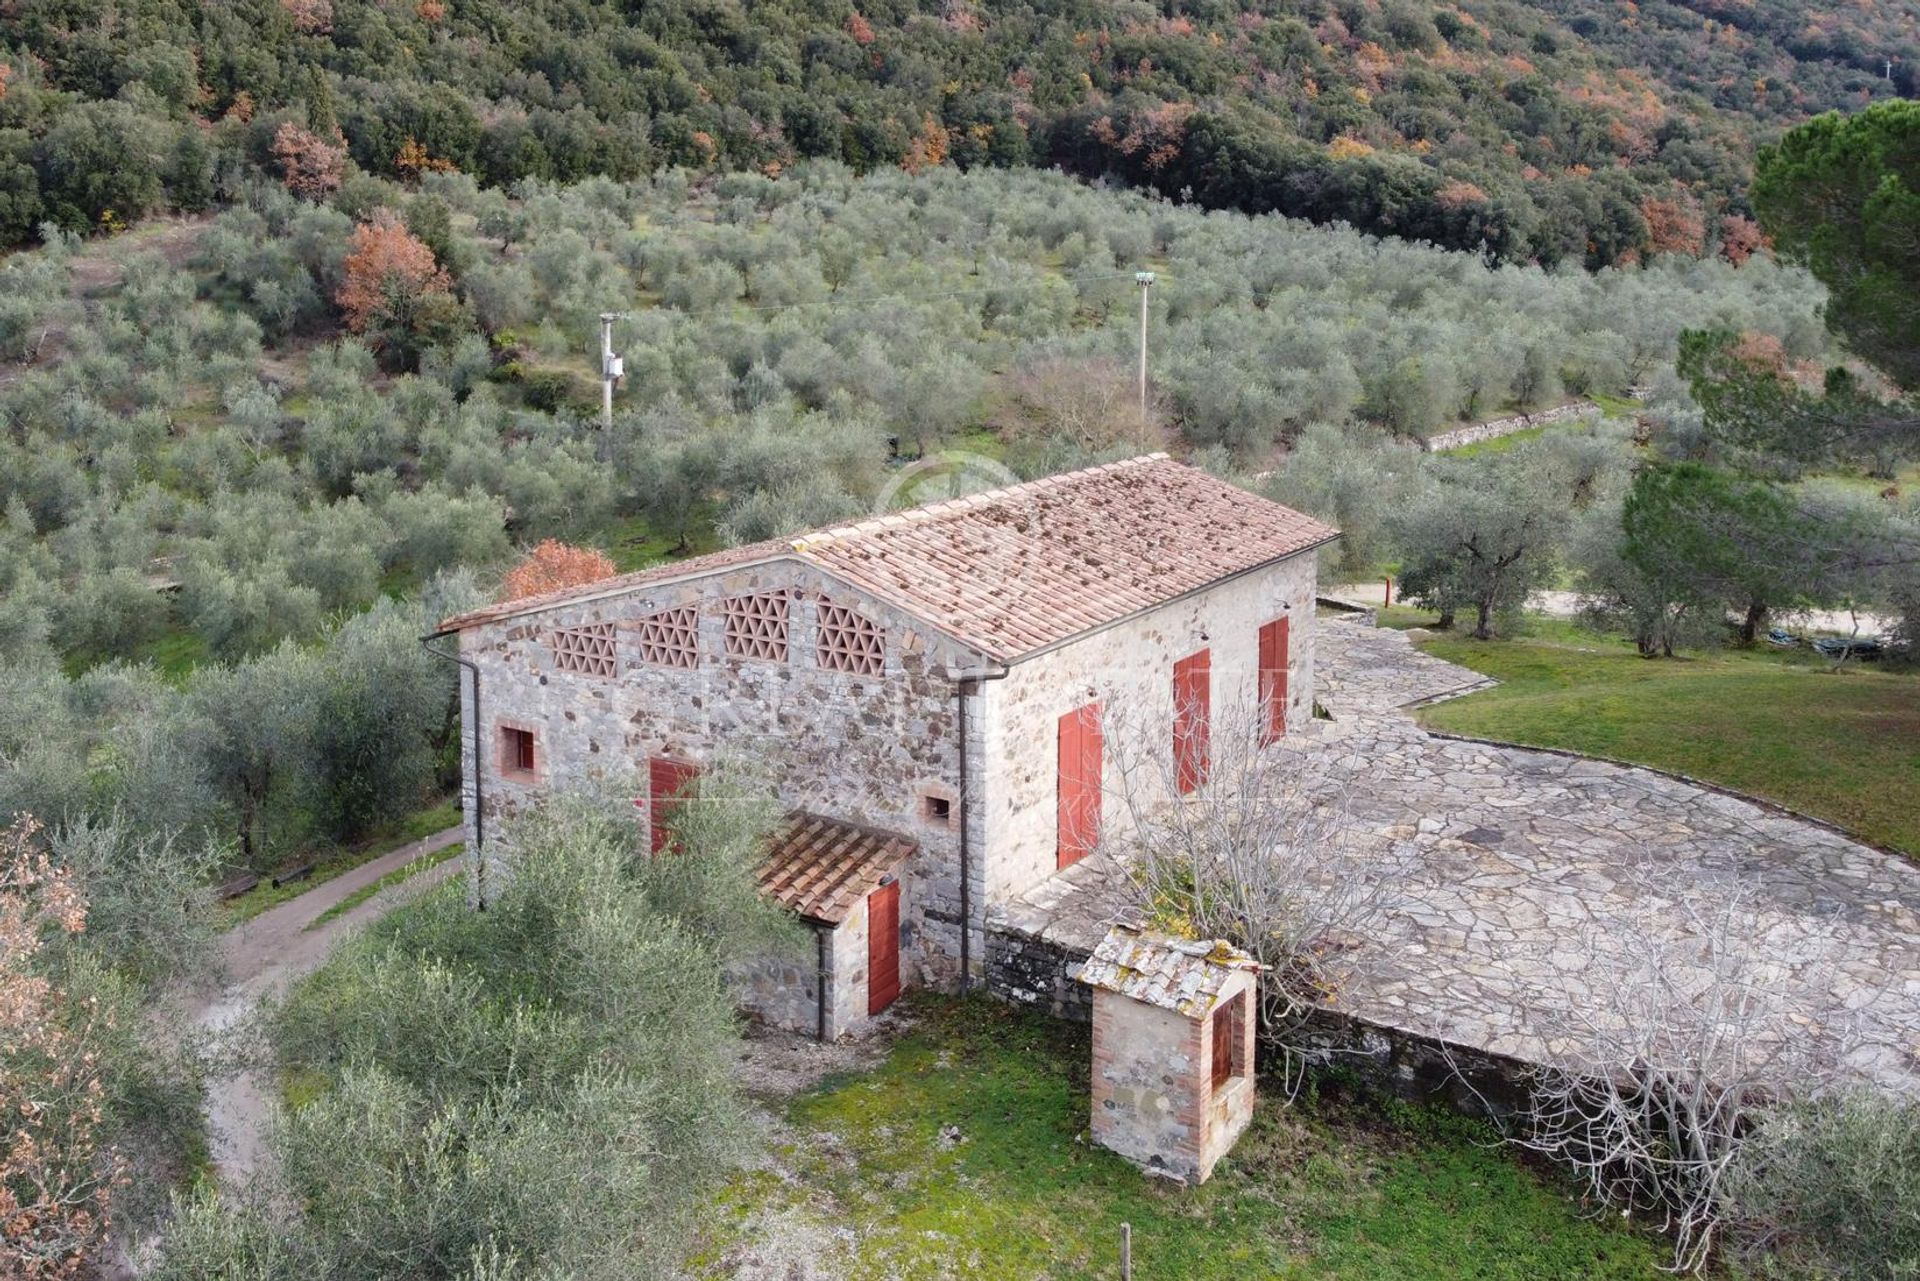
[
  {"x": 1145, "y": 280},
  {"x": 611, "y": 367}
]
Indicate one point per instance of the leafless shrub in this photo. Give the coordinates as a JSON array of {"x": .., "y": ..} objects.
[
  {"x": 1093, "y": 403},
  {"x": 1662, "y": 1055},
  {"x": 1257, "y": 851}
]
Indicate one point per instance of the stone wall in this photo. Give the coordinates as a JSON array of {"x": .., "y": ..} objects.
[
  {"x": 1146, "y": 1086},
  {"x": 856, "y": 747},
  {"x": 1477, "y": 432},
  {"x": 1128, "y": 668},
  {"x": 1037, "y": 972},
  {"x": 1042, "y": 974},
  {"x": 783, "y": 989}
]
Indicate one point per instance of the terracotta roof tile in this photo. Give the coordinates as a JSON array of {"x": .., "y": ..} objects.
[
  {"x": 821, "y": 867},
  {"x": 1182, "y": 975},
  {"x": 1013, "y": 570}
]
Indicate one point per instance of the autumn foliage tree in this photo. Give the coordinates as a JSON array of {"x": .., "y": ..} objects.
[
  {"x": 395, "y": 294},
  {"x": 56, "y": 1185},
  {"x": 310, "y": 166},
  {"x": 554, "y": 565},
  {"x": 1674, "y": 226}
]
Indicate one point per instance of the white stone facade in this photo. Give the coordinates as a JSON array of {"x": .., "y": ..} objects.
[{"x": 1128, "y": 669}]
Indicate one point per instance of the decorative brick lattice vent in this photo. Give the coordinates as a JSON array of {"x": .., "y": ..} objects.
[
  {"x": 850, "y": 642},
  {"x": 587, "y": 649},
  {"x": 670, "y": 638},
  {"x": 757, "y": 626}
]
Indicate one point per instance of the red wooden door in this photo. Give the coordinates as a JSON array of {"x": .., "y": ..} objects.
[
  {"x": 1078, "y": 772},
  {"x": 1192, "y": 712},
  {"x": 883, "y": 947},
  {"x": 1273, "y": 680},
  {"x": 667, "y": 783}
]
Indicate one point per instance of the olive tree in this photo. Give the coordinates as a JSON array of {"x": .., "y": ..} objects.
[{"x": 1479, "y": 535}]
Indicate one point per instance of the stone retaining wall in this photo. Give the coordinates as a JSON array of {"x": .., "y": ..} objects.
[
  {"x": 1043, "y": 974},
  {"x": 1478, "y": 432}
]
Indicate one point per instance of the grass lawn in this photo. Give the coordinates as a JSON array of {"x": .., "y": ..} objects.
[
  {"x": 635, "y": 544},
  {"x": 265, "y": 895},
  {"x": 1324, "y": 1189},
  {"x": 1843, "y": 746}
]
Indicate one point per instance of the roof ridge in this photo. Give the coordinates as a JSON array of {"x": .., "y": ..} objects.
[{"x": 929, "y": 512}]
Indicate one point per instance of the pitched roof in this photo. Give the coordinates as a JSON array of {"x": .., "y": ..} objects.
[
  {"x": 1011, "y": 571},
  {"x": 1182, "y": 975},
  {"x": 822, "y": 867}
]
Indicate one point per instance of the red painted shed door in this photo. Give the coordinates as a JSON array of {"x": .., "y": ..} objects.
[
  {"x": 883, "y": 947},
  {"x": 1273, "y": 681},
  {"x": 667, "y": 782},
  {"x": 1078, "y": 824},
  {"x": 1192, "y": 712}
]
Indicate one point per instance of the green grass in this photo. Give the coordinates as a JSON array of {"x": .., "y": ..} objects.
[
  {"x": 1499, "y": 444},
  {"x": 1783, "y": 725},
  {"x": 635, "y": 544},
  {"x": 1320, "y": 1190},
  {"x": 266, "y": 895},
  {"x": 1617, "y": 406},
  {"x": 397, "y": 875}
]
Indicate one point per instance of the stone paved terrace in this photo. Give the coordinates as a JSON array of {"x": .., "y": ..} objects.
[{"x": 1516, "y": 882}]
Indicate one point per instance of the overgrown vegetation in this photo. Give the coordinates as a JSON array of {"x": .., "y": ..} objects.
[
  {"x": 103, "y": 928},
  {"x": 542, "y": 1088}
]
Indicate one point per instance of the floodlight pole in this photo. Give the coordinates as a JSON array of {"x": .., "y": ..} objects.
[
  {"x": 610, "y": 367},
  {"x": 1145, "y": 280}
]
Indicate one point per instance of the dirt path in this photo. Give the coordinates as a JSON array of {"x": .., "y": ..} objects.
[{"x": 271, "y": 950}]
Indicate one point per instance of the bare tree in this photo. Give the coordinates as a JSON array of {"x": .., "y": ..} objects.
[
  {"x": 1222, "y": 834},
  {"x": 1660, "y": 1055}
]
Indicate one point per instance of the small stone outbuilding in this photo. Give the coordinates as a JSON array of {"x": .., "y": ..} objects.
[
  {"x": 843, "y": 882},
  {"x": 1173, "y": 1040}
]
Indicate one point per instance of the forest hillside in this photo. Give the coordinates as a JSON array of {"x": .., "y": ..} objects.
[{"x": 1574, "y": 130}]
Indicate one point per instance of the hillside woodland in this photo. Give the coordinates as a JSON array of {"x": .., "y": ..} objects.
[{"x": 1577, "y": 131}]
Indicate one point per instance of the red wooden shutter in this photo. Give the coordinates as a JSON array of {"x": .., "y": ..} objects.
[
  {"x": 1226, "y": 1031},
  {"x": 1078, "y": 825},
  {"x": 1273, "y": 681},
  {"x": 1192, "y": 710},
  {"x": 883, "y": 947},
  {"x": 667, "y": 782}
]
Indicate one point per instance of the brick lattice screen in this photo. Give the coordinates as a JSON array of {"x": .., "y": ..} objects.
[
  {"x": 850, "y": 642},
  {"x": 670, "y": 638},
  {"x": 757, "y": 626},
  {"x": 588, "y": 649}
]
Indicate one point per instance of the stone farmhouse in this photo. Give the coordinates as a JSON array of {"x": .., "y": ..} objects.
[{"x": 927, "y": 688}]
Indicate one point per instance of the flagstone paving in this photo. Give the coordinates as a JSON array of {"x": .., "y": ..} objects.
[{"x": 1521, "y": 889}]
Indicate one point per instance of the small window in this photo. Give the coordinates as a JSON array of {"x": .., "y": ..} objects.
[
  {"x": 517, "y": 758},
  {"x": 670, "y": 638},
  {"x": 757, "y": 626},
  {"x": 936, "y": 809},
  {"x": 850, "y": 642},
  {"x": 588, "y": 649}
]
